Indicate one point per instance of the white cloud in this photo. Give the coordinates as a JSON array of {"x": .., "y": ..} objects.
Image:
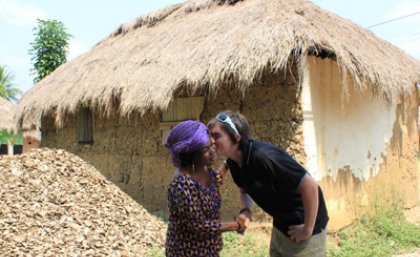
[
  {"x": 76, "y": 48},
  {"x": 21, "y": 15}
]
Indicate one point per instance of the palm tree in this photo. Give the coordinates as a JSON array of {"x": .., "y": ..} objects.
[{"x": 7, "y": 90}]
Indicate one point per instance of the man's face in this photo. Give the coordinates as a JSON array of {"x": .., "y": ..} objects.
[{"x": 224, "y": 144}]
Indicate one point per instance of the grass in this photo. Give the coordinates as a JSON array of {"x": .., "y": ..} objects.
[
  {"x": 246, "y": 245},
  {"x": 155, "y": 252},
  {"x": 235, "y": 245},
  {"x": 383, "y": 232}
]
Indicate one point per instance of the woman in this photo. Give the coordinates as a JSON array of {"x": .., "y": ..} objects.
[
  {"x": 269, "y": 176},
  {"x": 194, "y": 227}
]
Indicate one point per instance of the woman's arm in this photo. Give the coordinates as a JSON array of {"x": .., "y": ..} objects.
[{"x": 231, "y": 226}]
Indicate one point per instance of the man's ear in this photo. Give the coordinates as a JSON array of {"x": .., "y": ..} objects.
[{"x": 238, "y": 138}]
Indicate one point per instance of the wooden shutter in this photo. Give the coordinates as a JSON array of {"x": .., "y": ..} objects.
[{"x": 180, "y": 109}]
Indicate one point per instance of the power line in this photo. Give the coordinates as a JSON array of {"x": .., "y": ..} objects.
[
  {"x": 409, "y": 41},
  {"x": 406, "y": 40},
  {"x": 399, "y": 18}
]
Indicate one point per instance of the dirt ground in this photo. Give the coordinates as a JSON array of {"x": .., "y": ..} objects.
[
  {"x": 414, "y": 254},
  {"x": 262, "y": 231}
]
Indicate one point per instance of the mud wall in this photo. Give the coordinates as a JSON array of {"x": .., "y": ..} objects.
[
  {"x": 29, "y": 143},
  {"x": 273, "y": 109},
  {"x": 129, "y": 151},
  {"x": 362, "y": 148}
]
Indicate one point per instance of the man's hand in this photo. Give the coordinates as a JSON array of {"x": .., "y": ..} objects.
[{"x": 299, "y": 233}]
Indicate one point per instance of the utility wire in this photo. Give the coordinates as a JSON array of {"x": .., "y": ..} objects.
[
  {"x": 409, "y": 41},
  {"x": 399, "y": 18}
]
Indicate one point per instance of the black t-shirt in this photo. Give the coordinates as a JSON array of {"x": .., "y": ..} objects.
[{"x": 272, "y": 177}]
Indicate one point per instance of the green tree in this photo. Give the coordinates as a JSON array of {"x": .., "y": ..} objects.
[
  {"x": 7, "y": 89},
  {"x": 10, "y": 137},
  {"x": 50, "y": 47}
]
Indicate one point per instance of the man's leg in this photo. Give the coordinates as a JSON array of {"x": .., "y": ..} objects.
[
  {"x": 275, "y": 243},
  {"x": 283, "y": 246}
]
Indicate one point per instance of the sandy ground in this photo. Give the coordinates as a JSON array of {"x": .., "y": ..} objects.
[{"x": 414, "y": 254}]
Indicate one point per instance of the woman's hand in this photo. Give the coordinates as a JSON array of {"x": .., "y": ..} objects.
[{"x": 244, "y": 221}]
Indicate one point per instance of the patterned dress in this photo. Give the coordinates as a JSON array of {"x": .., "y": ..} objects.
[{"x": 194, "y": 217}]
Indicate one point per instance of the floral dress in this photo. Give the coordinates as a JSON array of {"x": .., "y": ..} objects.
[{"x": 194, "y": 217}]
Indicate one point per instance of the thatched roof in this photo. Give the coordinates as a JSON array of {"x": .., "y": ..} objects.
[
  {"x": 202, "y": 42},
  {"x": 7, "y": 110}
]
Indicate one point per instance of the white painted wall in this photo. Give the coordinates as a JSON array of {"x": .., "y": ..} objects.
[{"x": 342, "y": 132}]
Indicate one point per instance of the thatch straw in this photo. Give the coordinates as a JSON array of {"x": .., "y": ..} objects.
[
  {"x": 201, "y": 43},
  {"x": 32, "y": 134},
  {"x": 7, "y": 110}
]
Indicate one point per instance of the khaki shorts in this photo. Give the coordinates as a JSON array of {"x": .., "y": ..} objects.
[{"x": 283, "y": 246}]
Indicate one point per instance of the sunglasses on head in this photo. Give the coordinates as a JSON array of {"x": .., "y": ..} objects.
[{"x": 223, "y": 117}]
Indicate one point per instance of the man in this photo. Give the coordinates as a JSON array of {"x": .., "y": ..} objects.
[{"x": 269, "y": 176}]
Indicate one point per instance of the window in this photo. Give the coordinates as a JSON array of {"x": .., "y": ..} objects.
[
  {"x": 85, "y": 126},
  {"x": 178, "y": 110},
  {"x": 3, "y": 149}
]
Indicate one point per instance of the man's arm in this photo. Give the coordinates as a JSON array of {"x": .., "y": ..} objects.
[
  {"x": 309, "y": 191},
  {"x": 245, "y": 203}
]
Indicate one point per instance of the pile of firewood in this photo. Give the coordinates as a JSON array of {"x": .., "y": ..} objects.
[{"x": 52, "y": 203}]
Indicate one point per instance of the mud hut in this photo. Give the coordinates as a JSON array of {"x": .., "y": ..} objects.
[
  {"x": 30, "y": 134},
  {"x": 7, "y": 112},
  {"x": 331, "y": 93},
  {"x": 7, "y": 125}
]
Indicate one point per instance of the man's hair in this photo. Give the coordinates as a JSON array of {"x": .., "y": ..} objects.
[{"x": 241, "y": 124}]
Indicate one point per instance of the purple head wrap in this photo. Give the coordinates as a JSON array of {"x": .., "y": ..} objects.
[{"x": 186, "y": 137}]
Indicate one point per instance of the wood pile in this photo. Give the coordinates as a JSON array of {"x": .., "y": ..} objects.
[{"x": 55, "y": 204}]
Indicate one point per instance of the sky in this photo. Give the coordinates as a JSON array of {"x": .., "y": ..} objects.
[{"x": 89, "y": 21}]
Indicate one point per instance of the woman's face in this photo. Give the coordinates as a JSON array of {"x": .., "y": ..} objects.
[
  {"x": 209, "y": 153},
  {"x": 224, "y": 144}
]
